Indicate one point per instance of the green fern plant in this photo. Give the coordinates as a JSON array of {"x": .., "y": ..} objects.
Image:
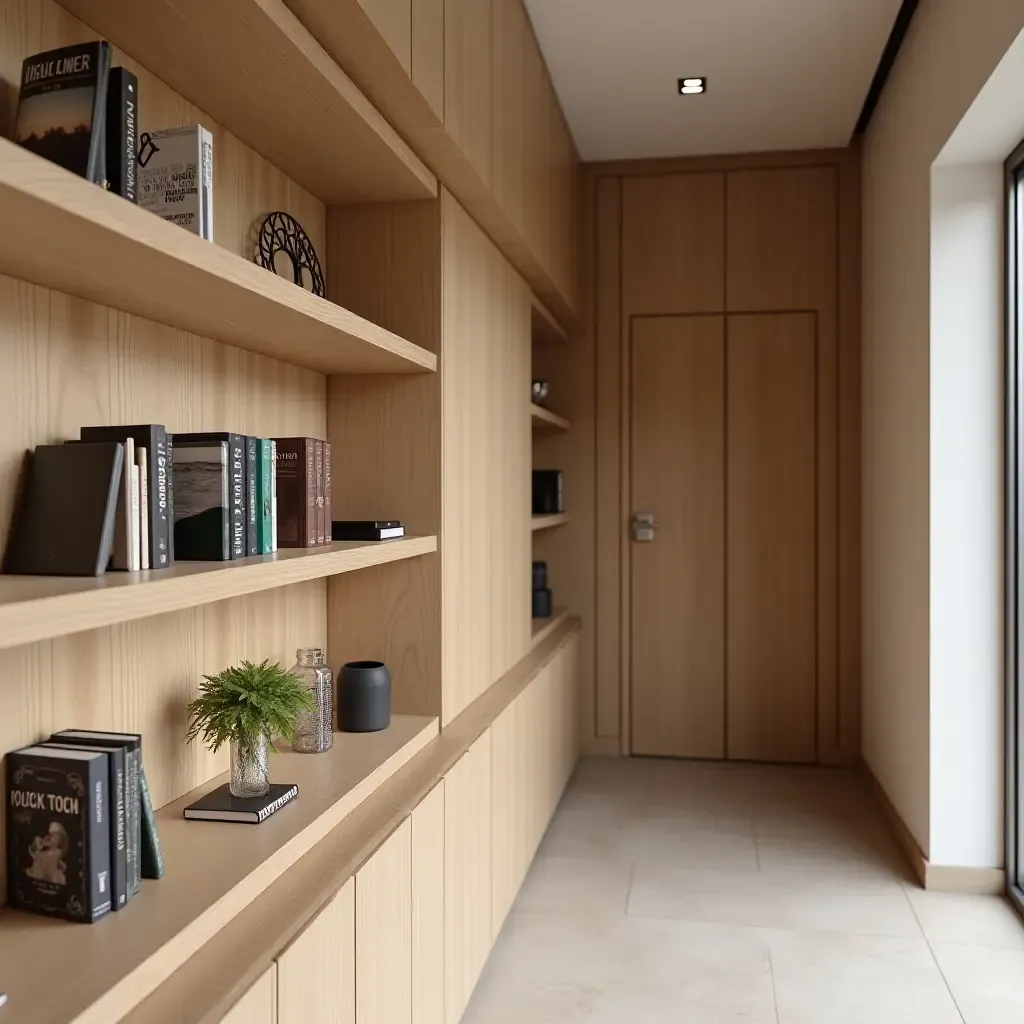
[{"x": 245, "y": 702}]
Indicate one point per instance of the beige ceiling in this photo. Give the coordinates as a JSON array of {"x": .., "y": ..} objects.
[{"x": 782, "y": 74}]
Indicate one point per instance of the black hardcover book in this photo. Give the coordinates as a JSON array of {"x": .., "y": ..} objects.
[
  {"x": 152, "y": 437},
  {"x": 131, "y": 743},
  {"x": 117, "y": 788},
  {"x": 58, "y": 832},
  {"x": 121, "y": 129},
  {"x": 236, "y": 483},
  {"x": 61, "y": 107},
  {"x": 547, "y": 492},
  {"x": 170, "y": 496},
  {"x": 220, "y": 805},
  {"x": 152, "y": 851},
  {"x": 252, "y": 510},
  {"x": 52, "y": 536},
  {"x": 367, "y": 530},
  {"x": 202, "y": 511}
]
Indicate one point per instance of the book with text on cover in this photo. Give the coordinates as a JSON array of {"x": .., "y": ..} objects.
[
  {"x": 202, "y": 503},
  {"x": 220, "y": 805}
]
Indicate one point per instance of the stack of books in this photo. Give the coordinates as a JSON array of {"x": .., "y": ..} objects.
[{"x": 81, "y": 832}]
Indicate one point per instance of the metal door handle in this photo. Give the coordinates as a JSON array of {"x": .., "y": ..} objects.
[{"x": 643, "y": 527}]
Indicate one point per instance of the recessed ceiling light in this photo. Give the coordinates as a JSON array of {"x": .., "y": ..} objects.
[{"x": 692, "y": 86}]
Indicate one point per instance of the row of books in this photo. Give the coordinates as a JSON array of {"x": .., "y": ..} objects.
[
  {"x": 81, "y": 832},
  {"x": 144, "y": 497},
  {"x": 78, "y": 111}
]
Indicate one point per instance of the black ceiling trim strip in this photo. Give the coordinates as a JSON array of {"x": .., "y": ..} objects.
[{"x": 885, "y": 65}]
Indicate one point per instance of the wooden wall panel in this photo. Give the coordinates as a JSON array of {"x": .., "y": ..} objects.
[
  {"x": 485, "y": 465},
  {"x": 771, "y": 588},
  {"x": 393, "y": 19},
  {"x": 259, "y": 1004},
  {"x": 428, "y": 909},
  {"x": 510, "y": 126},
  {"x": 467, "y": 875},
  {"x": 72, "y": 363},
  {"x": 428, "y": 52},
  {"x": 673, "y": 244},
  {"x": 384, "y": 932},
  {"x": 467, "y": 80},
  {"x": 316, "y": 974}
]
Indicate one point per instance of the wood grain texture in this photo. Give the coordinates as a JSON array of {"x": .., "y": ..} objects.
[
  {"x": 678, "y": 580},
  {"x": 259, "y": 1004},
  {"x": 208, "y": 53},
  {"x": 467, "y": 80},
  {"x": 214, "y": 979},
  {"x": 428, "y": 53},
  {"x": 673, "y": 246},
  {"x": 211, "y": 877},
  {"x": 467, "y": 875},
  {"x": 486, "y": 463},
  {"x": 771, "y": 538},
  {"x": 385, "y": 261},
  {"x": 384, "y": 932},
  {"x": 316, "y": 975},
  {"x": 393, "y": 20},
  {"x": 428, "y": 908}
]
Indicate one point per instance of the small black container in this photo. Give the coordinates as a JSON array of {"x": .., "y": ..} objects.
[
  {"x": 542, "y": 603},
  {"x": 364, "y": 697},
  {"x": 540, "y": 575}
]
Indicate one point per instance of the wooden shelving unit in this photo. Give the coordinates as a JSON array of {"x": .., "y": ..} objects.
[
  {"x": 549, "y": 522},
  {"x": 252, "y": 66},
  {"x": 41, "y": 607},
  {"x": 547, "y": 331},
  {"x": 215, "y": 870},
  {"x": 545, "y": 421},
  {"x": 64, "y": 233},
  {"x": 543, "y": 628}
]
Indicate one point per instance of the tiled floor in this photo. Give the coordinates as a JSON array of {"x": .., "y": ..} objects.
[{"x": 681, "y": 893}]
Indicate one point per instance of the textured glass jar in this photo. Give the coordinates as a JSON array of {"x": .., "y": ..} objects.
[
  {"x": 250, "y": 767},
  {"x": 314, "y": 730}
]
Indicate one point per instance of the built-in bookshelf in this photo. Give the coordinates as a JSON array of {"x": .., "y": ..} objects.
[
  {"x": 548, "y": 522},
  {"x": 545, "y": 421},
  {"x": 547, "y": 331},
  {"x": 543, "y": 628}
]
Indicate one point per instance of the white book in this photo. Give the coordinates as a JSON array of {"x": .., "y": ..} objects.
[
  {"x": 121, "y": 557},
  {"x": 136, "y": 528},
  {"x": 176, "y": 178},
  {"x": 143, "y": 462},
  {"x": 273, "y": 495}
]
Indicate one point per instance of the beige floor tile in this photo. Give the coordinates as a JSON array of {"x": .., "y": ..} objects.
[
  {"x": 859, "y": 857},
  {"x": 987, "y": 983},
  {"x": 758, "y": 901},
  {"x": 560, "y": 969},
  {"x": 967, "y": 920},
  {"x": 853, "y": 979},
  {"x": 575, "y": 885}
]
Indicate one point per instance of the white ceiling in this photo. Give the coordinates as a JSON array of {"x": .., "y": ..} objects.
[{"x": 782, "y": 74}]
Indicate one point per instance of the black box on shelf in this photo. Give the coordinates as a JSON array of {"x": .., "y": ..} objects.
[{"x": 547, "y": 492}]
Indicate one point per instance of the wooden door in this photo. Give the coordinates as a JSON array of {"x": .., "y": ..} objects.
[
  {"x": 678, "y": 579},
  {"x": 771, "y": 537},
  {"x": 259, "y": 1004},
  {"x": 428, "y": 909}
]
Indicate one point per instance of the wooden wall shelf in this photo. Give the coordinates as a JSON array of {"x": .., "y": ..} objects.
[
  {"x": 543, "y": 628},
  {"x": 253, "y": 67},
  {"x": 547, "y": 331},
  {"x": 41, "y": 607},
  {"x": 547, "y": 422},
  {"x": 549, "y": 522},
  {"x": 62, "y": 232},
  {"x": 214, "y": 871}
]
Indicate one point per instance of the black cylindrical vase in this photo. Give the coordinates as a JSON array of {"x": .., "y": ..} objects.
[{"x": 364, "y": 697}]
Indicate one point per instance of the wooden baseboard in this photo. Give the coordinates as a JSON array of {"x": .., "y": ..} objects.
[{"x": 935, "y": 877}]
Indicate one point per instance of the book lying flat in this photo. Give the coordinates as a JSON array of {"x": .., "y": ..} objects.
[
  {"x": 370, "y": 529},
  {"x": 220, "y": 805}
]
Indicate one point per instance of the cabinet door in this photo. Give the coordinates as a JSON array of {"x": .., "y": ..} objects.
[
  {"x": 259, "y": 1004},
  {"x": 428, "y": 909},
  {"x": 511, "y": 818},
  {"x": 384, "y": 932},
  {"x": 393, "y": 20},
  {"x": 316, "y": 974},
  {"x": 467, "y": 80},
  {"x": 467, "y": 875}
]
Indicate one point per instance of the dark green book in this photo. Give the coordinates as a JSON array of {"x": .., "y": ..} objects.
[{"x": 152, "y": 852}]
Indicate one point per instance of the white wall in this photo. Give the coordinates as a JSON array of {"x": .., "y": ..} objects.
[
  {"x": 966, "y": 535},
  {"x": 951, "y": 50}
]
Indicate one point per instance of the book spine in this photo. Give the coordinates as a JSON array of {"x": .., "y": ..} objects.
[
  {"x": 121, "y": 128},
  {"x": 236, "y": 494},
  {"x": 97, "y": 170},
  {"x": 328, "y": 503},
  {"x": 122, "y": 558},
  {"x": 310, "y": 490},
  {"x": 273, "y": 496},
  {"x": 206, "y": 184},
  {"x": 144, "y": 552},
  {"x": 169, "y": 440},
  {"x": 133, "y": 765},
  {"x": 159, "y": 500},
  {"x": 136, "y": 525},
  {"x": 264, "y": 521},
  {"x": 152, "y": 860},
  {"x": 97, "y": 837},
  {"x": 252, "y": 542},
  {"x": 321, "y": 534},
  {"x": 120, "y": 828}
]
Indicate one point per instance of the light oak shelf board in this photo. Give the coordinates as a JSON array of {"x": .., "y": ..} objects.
[
  {"x": 545, "y": 421},
  {"x": 254, "y": 68},
  {"x": 547, "y": 331},
  {"x": 215, "y": 870},
  {"x": 42, "y": 607},
  {"x": 549, "y": 522},
  {"x": 543, "y": 628},
  {"x": 62, "y": 232}
]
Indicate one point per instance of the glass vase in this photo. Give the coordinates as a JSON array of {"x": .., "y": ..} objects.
[
  {"x": 314, "y": 730},
  {"x": 250, "y": 767}
]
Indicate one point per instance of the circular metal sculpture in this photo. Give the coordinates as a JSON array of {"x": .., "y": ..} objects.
[{"x": 282, "y": 233}]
